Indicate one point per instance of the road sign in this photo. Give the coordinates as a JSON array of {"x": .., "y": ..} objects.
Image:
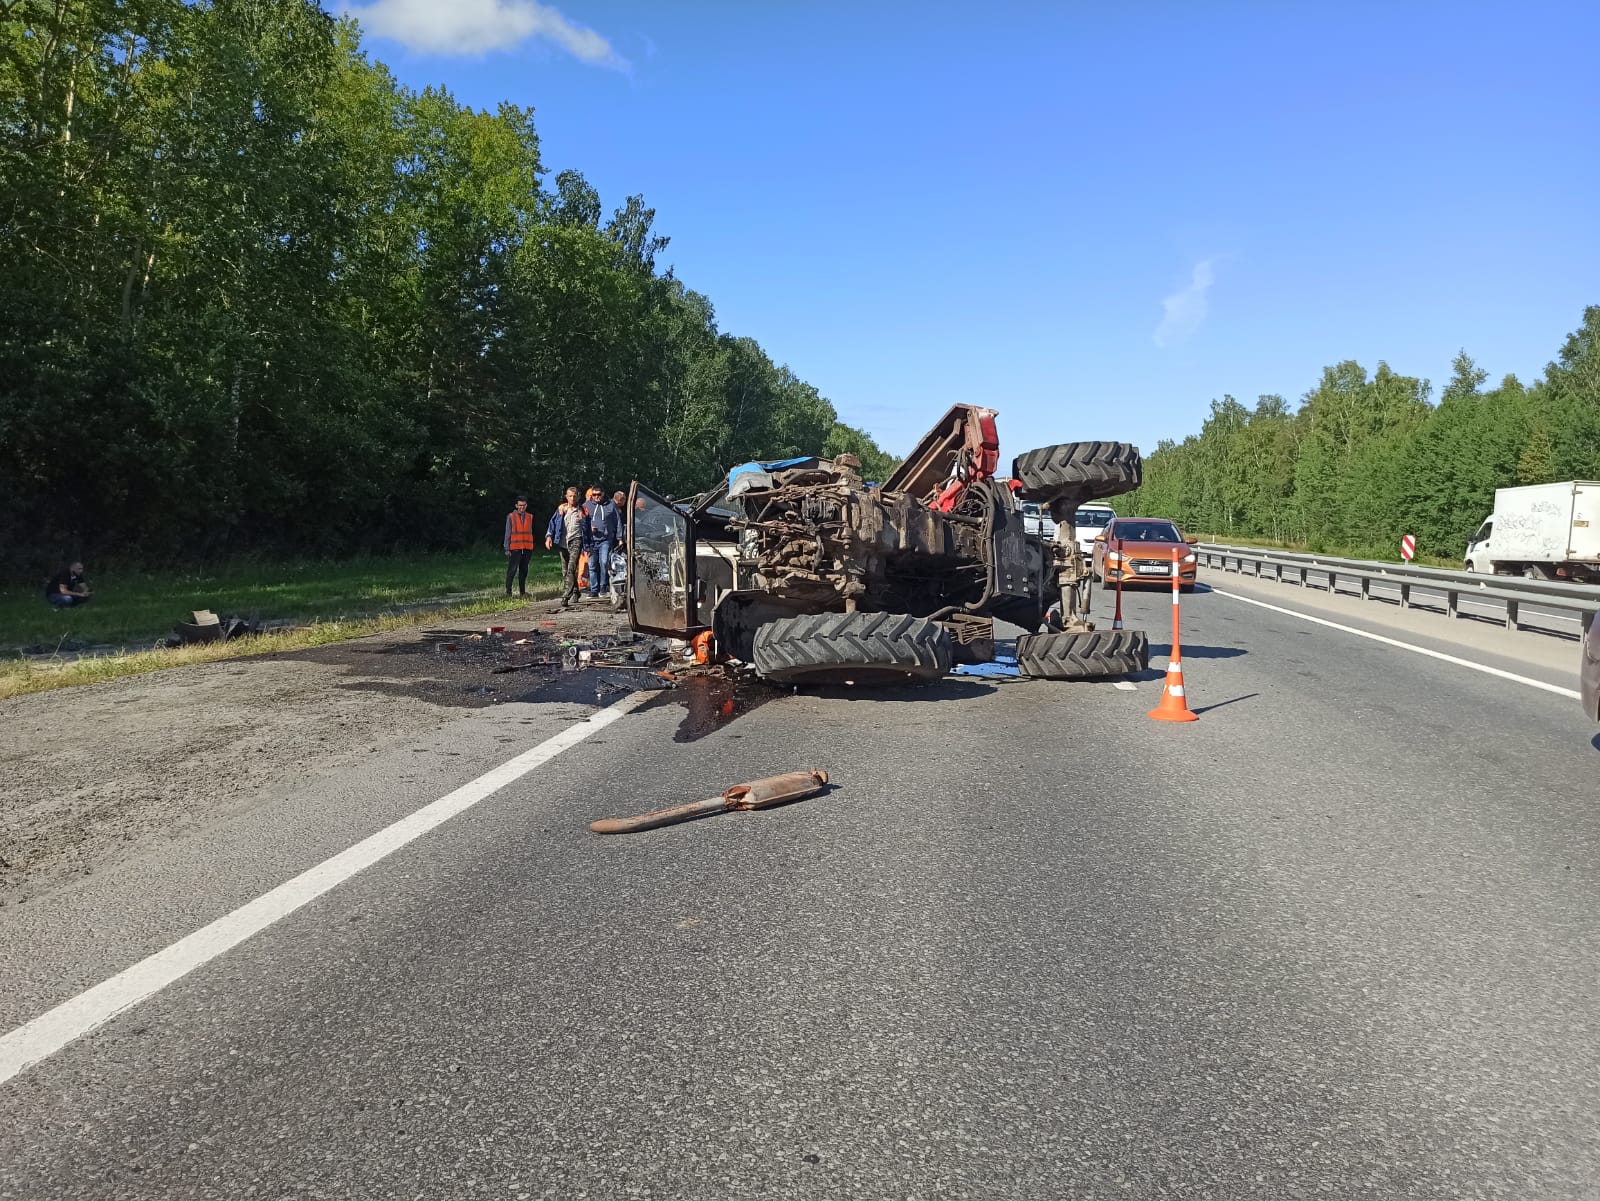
[{"x": 1408, "y": 548}]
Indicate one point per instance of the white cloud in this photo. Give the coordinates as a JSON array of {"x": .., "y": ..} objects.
[
  {"x": 1184, "y": 311},
  {"x": 467, "y": 27}
]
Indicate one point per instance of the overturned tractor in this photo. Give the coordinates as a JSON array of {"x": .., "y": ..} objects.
[{"x": 811, "y": 574}]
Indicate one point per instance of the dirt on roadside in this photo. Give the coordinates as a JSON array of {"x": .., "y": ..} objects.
[{"x": 88, "y": 774}]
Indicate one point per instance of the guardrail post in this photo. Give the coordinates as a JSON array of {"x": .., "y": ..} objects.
[
  {"x": 1256, "y": 565},
  {"x": 1450, "y": 606},
  {"x": 1333, "y": 582},
  {"x": 1302, "y": 576},
  {"x": 1511, "y": 615},
  {"x": 1405, "y": 596},
  {"x": 1366, "y": 587}
]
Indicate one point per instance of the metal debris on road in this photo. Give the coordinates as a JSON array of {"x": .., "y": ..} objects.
[
  {"x": 1003, "y": 668},
  {"x": 757, "y": 794},
  {"x": 208, "y": 627}
]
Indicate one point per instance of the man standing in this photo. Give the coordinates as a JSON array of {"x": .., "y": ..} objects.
[
  {"x": 603, "y": 518},
  {"x": 573, "y": 525},
  {"x": 518, "y": 545},
  {"x": 68, "y": 588},
  {"x": 555, "y": 535}
]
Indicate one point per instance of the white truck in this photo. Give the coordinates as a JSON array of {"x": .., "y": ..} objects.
[{"x": 1542, "y": 531}]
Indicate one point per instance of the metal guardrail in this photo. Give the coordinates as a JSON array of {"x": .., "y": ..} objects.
[{"x": 1511, "y": 591}]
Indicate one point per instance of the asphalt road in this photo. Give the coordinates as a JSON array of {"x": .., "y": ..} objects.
[{"x": 1338, "y": 938}]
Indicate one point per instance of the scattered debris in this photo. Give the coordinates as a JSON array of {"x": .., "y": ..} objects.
[
  {"x": 1003, "y": 667},
  {"x": 757, "y": 794},
  {"x": 208, "y": 627}
]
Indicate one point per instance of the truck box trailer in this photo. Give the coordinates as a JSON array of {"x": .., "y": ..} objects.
[{"x": 1543, "y": 531}]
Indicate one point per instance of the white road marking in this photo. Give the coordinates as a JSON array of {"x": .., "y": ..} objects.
[
  {"x": 1407, "y": 646},
  {"x": 71, "y": 1020},
  {"x": 1123, "y": 685}
]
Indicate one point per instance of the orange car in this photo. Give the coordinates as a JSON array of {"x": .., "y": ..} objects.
[{"x": 1146, "y": 545}]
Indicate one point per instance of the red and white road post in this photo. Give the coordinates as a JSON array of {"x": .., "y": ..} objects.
[
  {"x": 1122, "y": 570},
  {"x": 1174, "y": 704}
]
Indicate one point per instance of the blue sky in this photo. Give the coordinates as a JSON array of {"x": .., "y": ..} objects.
[{"x": 1093, "y": 217}]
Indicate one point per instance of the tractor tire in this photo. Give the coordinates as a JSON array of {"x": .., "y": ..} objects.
[
  {"x": 852, "y": 648},
  {"x": 1083, "y": 471},
  {"x": 1083, "y": 655}
]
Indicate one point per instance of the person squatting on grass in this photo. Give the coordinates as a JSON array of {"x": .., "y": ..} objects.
[
  {"x": 68, "y": 588},
  {"x": 518, "y": 545}
]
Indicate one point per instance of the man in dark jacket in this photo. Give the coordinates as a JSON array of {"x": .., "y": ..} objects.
[
  {"x": 68, "y": 588},
  {"x": 555, "y": 536}
]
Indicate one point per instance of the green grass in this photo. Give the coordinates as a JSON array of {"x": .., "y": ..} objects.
[
  {"x": 19, "y": 676},
  {"x": 137, "y": 608}
]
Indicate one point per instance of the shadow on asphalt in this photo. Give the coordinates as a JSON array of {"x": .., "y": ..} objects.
[
  {"x": 948, "y": 689},
  {"x": 1190, "y": 651},
  {"x": 1233, "y": 700},
  {"x": 711, "y": 702}
]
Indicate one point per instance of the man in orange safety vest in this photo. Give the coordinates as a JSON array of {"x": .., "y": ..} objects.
[{"x": 518, "y": 545}]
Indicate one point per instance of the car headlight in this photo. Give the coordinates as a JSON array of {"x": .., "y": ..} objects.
[
  {"x": 1113, "y": 557},
  {"x": 1189, "y": 558}
]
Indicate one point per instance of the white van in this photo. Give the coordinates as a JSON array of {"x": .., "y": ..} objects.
[
  {"x": 1036, "y": 521},
  {"x": 1092, "y": 520}
]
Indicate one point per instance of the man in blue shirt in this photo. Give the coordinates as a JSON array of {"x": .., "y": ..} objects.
[{"x": 601, "y": 527}]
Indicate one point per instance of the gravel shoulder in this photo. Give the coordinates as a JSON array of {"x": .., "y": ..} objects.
[{"x": 88, "y": 775}]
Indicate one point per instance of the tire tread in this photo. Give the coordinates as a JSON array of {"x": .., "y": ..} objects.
[
  {"x": 818, "y": 645},
  {"x": 1083, "y": 654},
  {"x": 1084, "y": 470}
]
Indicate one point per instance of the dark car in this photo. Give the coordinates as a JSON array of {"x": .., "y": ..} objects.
[{"x": 1589, "y": 666}]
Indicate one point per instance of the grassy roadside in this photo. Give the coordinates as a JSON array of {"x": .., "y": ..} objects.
[
  {"x": 140, "y": 607},
  {"x": 329, "y": 602}
]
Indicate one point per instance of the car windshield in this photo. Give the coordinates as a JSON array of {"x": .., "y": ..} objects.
[
  {"x": 1146, "y": 531},
  {"x": 1092, "y": 519}
]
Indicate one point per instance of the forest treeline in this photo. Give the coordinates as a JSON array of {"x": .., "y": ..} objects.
[
  {"x": 1367, "y": 458},
  {"x": 260, "y": 297}
]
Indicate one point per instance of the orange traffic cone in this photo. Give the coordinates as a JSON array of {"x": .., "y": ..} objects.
[{"x": 1174, "y": 704}]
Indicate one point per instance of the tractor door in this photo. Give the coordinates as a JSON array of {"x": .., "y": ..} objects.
[{"x": 661, "y": 576}]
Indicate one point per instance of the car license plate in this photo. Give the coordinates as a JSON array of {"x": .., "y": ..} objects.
[{"x": 1152, "y": 568}]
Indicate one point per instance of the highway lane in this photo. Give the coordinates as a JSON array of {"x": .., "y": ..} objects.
[{"x": 1339, "y": 937}]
